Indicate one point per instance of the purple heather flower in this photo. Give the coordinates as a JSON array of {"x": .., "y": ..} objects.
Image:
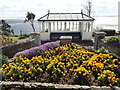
[
  {"x": 116, "y": 44},
  {"x": 36, "y": 51}
]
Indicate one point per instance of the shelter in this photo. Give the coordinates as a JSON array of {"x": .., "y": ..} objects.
[{"x": 54, "y": 25}]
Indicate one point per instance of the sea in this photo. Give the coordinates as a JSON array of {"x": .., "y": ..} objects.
[{"x": 17, "y": 24}]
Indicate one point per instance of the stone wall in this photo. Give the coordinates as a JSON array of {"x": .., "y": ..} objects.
[
  {"x": 12, "y": 49},
  {"x": 110, "y": 47},
  {"x": 50, "y": 86},
  {"x": 98, "y": 43}
]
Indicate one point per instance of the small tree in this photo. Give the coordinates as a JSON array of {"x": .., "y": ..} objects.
[
  {"x": 5, "y": 28},
  {"x": 30, "y": 18},
  {"x": 88, "y": 8}
]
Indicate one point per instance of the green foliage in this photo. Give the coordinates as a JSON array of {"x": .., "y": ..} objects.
[
  {"x": 112, "y": 39},
  {"x": 4, "y": 25},
  {"x": 101, "y": 37},
  {"x": 19, "y": 36},
  {"x": 24, "y": 36},
  {"x": 14, "y": 38},
  {"x": 89, "y": 48},
  {"x": 5, "y": 28},
  {"x": 114, "y": 55},
  {"x": 5, "y": 33},
  {"x": 102, "y": 50},
  {"x": 30, "y": 18},
  {"x": 4, "y": 59},
  {"x": 15, "y": 35},
  {"x": 109, "y": 32}
]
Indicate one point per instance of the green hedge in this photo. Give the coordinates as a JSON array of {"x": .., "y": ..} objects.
[
  {"x": 109, "y": 32},
  {"x": 24, "y": 36},
  {"x": 112, "y": 40}
]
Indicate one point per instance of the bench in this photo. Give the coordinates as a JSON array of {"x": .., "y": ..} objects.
[
  {"x": 57, "y": 35},
  {"x": 65, "y": 40}
]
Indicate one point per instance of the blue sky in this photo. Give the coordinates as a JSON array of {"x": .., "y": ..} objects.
[{"x": 18, "y": 8}]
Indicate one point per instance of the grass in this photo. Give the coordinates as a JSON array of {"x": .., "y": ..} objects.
[
  {"x": 14, "y": 38},
  {"x": 17, "y": 37}
]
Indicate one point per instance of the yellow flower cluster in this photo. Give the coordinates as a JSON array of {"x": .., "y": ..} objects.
[{"x": 108, "y": 75}]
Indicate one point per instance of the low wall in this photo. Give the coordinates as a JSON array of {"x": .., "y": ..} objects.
[
  {"x": 110, "y": 47},
  {"x": 12, "y": 49},
  {"x": 50, "y": 86}
]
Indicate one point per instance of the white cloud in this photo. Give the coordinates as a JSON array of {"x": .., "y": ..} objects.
[
  {"x": 106, "y": 7},
  {"x": 18, "y": 8}
]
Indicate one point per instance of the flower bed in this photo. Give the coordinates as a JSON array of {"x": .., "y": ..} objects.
[{"x": 68, "y": 64}]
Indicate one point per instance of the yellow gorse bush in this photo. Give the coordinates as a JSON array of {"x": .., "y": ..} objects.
[{"x": 70, "y": 61}]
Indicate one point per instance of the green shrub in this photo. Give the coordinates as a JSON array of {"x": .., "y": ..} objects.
[
  {"x": 15, "y": 35},
  {"x": 101, "y": 37},
  {"x": 109, "y": 32},
  {"x": 112, "y": 39},
  {"x": 4, "y": 59},
  {"x": 89, "y": 48},
  {"x": 102, "y": 50},
  {"x": 24, "y": 36},
  {"x": 5, "y": 33}
]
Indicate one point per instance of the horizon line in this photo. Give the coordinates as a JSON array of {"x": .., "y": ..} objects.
[{"x": 39, "y": 17}]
